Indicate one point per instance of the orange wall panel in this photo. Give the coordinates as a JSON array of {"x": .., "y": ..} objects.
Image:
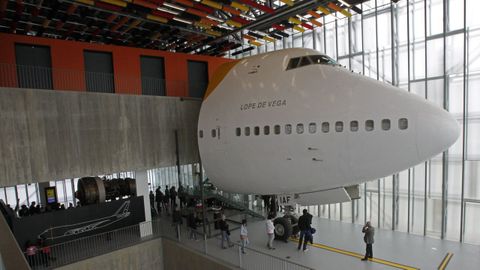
[{"x": 68, "y": 64}]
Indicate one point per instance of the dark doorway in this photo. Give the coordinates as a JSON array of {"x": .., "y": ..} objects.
[
  {"x": 197, "y": 78},
  {"x": 34, "y": 66},
  {"x": 99, "y": 72},
  {"x": 153, "y": 75}
]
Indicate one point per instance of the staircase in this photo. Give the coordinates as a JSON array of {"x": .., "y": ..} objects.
[{"x": 235, "y": 204}]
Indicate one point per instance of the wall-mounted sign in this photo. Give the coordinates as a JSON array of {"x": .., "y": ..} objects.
[{"x": 51, "y": 195}]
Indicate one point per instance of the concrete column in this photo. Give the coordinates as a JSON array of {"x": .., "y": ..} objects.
[
  {"x": 142, "y": 190},
  {"x": 41, "y": 191}
]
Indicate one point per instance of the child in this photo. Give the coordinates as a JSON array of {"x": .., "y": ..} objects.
[{"x": 244, "y": 235}]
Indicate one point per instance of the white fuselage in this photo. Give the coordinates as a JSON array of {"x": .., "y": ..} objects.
[{"x": 260, "y": 93}]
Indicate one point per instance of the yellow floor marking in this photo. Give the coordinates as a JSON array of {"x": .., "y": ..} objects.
[
  {"x": 445, "y": 261},
  {"x": 360, "y": 256}
]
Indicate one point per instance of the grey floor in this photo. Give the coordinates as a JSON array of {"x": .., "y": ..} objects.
[{"x": 402, "y": 248}]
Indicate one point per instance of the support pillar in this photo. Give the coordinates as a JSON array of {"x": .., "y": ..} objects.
[
  {"x": 141, "y": 183},
  {"x": 41, "y": 192}
]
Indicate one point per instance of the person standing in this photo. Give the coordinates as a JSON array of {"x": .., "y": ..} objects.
[
  {"x": 225, "y": 232},
  {"x": 304, "y": 225},
  {"x": 166, "y": 199},
  {"x": 270, "y": 231},
  {"x": 244, "y": 235},
  {"x": 181, "y": 195},
  {"x": 159, "y": 199},
  {"x": 369, "y": 233},
  {"x": 152, "y": 199},
  {"x": 173, "y": 197},
  {"x": 177, "y": 221},
  {"x": 192, "y": 224}
]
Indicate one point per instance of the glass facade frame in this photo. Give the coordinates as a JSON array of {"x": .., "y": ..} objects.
[{"x": 427, "y": 47}]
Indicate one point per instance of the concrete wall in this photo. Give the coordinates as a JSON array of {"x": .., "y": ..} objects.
[
  {"x": 47, "y": 135},
  {"x": 11, "y": 256},
  {"x": 175, "y": 259},
  {"x": 146, "y": 255}
]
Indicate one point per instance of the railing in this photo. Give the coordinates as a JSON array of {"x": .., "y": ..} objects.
[
  {"x": 91, "y": 246},
  {"x": 68, "y": 79}
]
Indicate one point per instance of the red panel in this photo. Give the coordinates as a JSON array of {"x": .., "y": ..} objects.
[
  {"x": 111, "y": 18},
  {"x": 145, "y": 4},
  {"x": 187, "y": 3},
  {"x": 35, "y": 12},
  {"x": 119, "y": 24},
  {"x": 278, "y": 27},
  {"x": 196, "y": 12},
  {"x": 59, "y": 25},
  {"x": 71, "y": 9},
  {"x": 107, "y": 6},
  {"x": 203, "y": 8},
  {"x": 240, "y": 20},
  {"x": 258, "y": 6},
  {"x": 157, "y": 2},
  {"x": 308, "y": 26},
  {"x": 3, "y": 7},
  {"x": 162, "y": 14},
  {"x": 231, "y": 10}
]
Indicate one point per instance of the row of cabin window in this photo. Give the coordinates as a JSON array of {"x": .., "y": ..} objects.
[{"x": 312, "y": 127}]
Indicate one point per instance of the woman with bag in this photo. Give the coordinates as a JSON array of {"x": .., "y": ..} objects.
[{"x": 244, "y": 235}]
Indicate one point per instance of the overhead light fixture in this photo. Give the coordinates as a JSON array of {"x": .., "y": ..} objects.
[
  {"x": 247, "y": 17},
  {"x": 182, "y": 20},
  {"x": 345, "y": 3},
  {"x": 214, "y": 18},
  {"x": 167, "y": 10},
  {"x": 174, "y": 6},
  {"x": 225, "y": 27}
]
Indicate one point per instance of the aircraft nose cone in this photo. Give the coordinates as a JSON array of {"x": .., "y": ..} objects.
[{"x": 437, "y": 130}]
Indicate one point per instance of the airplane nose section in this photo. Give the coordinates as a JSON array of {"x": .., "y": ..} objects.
[{"x": 437, "y": 130}]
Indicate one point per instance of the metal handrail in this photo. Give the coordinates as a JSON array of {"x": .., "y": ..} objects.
[
  {"x": 25, "y": 76},
  {"x": 90, "y": 246}
]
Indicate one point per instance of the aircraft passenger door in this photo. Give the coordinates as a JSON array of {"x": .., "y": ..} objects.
[{"x": 219, "y": 134}]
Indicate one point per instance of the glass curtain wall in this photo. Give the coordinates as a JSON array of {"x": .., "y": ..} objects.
[
  {"x": 66, "y": 188},
  {"x": 430, "y": 48}
]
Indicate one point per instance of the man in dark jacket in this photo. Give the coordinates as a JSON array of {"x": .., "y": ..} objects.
[
  {"x": 304, "y": 225},
  {"x": 159, "y": 199},
  {"x": 369, "y": 232},
  {"x": 173, "y": 197}
]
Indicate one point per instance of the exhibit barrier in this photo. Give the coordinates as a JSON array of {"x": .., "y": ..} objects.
[{"x": 49, "y": 257}]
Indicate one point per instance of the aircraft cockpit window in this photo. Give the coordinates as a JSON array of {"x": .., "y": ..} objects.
[
  {"x": 312, "y": 128},
  {"x": 256, "y": 131},
  {"x": 322, "y": 60},
  {"x": 339, "y": 126},
  {"x": 403, "y": 123},
  {"x": 200, "y": 134},
  {"x": 276, "y": 129},
  {"x": 310, "y": 60},
  {"x": 354, "y": 126},
  {"x": 214, "y": 133},
  {"x": 304, "y": 61},
  {"x": 325, "y": 127},
  {"x": 288, "y": 129},
  {"x": 386, "y": 124},
  {"x": 238, "y": 131},
  {"x": 369, "y": 125},
  {"x": 247, "y": 131},
  {"x": 266, "y": 130},
  {"x": 293, "y": 63}
]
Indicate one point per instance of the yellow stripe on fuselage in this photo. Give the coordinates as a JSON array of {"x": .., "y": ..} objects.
[{"x": 218, "y": 76}]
